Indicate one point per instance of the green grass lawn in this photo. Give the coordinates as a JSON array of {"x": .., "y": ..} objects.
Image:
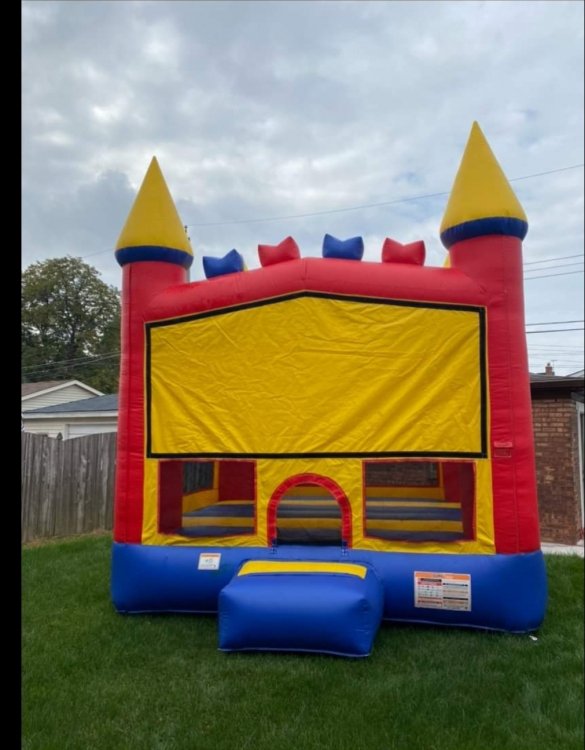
[{"x": 93, "y": 679}]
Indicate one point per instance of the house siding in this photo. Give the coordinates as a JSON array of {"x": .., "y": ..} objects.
[
  {"x": 78, "y": 429},
  {"x": 71, "y": 428},
  {"x": 557, "y": 469},
  {"x": 45, "y": 427},
  {"x": 60, "y": 396}
]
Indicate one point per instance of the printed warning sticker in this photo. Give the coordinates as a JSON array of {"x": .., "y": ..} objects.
[
  {"x": 209, "y": 561},
  {"x": 442, "y": 591}
]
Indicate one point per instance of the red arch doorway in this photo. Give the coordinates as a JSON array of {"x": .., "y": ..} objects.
[{"x": 317, "y": 480}]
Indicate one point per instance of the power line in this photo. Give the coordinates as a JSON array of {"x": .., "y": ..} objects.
[
  {"x": 554, "y": 322},
  {"x": 99, "y": 252},
  {"x": 562, "y": 355},
  {"x": 43, "y": 368},
  {"x": 570, "y": 350},
  {"x": 366, "y": 205},
  {"x": 94, "y": 357},
  {"x": 67, "y": 363},
  {"x": 550, "y": 171},
  {"x": 552, "y": 353},
  {"x": 358, "y": 208},
  {"x": 87, "y": 358},
  {"x": 547, "y": 260},
  {"x": 556, "y": 330},
  {"x": 550, "y": 276},
  {"x": 554, "y": 268},
  {"x": 319, "y": 213},
  {"x": 353, "y": 208},
  {"x": 528, "y": 263},
  {"x": 83, "y": 360}
]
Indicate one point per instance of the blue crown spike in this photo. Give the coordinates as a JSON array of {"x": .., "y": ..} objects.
[
  {"x": 351, "y": 249},
  {"x": 232, "y": 262}
]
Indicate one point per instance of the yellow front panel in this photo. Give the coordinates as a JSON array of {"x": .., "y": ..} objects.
[
  {"x": 348, "y": 474},
  {"x": 317, "y": 376}
]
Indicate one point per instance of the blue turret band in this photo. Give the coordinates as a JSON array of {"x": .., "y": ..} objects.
[
  {"x": 482, "y": 227},
  {"x": 154, "y": 253}
]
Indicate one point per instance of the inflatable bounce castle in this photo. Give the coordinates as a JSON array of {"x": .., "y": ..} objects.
[{"x": 318, "y": 444}]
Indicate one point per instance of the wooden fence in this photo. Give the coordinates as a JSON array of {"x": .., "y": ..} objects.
[{"x": 67, "y": 486}]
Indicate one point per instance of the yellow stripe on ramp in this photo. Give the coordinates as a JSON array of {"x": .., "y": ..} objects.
[{"x": 269, "y": 566}]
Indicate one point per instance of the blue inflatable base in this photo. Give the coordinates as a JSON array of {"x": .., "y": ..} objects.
[
  {"x": 313, "y": 611},
  {"x": 506, "y": 592}
]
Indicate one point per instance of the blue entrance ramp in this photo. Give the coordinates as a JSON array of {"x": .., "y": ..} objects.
[{"x": 321, "y": 607}]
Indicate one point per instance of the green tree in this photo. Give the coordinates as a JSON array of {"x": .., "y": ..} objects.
[{"x": 70, "y": 324}]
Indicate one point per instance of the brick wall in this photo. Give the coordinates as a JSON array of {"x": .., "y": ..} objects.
[
  {"x": 557, "y": 469},
  {"x": 402, "y": 474}
]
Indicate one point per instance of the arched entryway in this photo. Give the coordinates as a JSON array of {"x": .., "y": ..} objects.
[{"x": 298, "y": 514}]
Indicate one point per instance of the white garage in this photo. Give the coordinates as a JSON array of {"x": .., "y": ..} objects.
[{"x": 74, "y": 419}]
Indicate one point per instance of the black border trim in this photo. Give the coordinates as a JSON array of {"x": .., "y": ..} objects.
[
  {"x": 317, "y": 295},
  {"x": 481, "y": 311},
  {"x": 483, "y": 397},
  {"x": 384, "y": 454},
  {"x": 148, "y": 389}
]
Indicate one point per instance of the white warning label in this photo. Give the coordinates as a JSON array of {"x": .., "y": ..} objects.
[
  {"x": 209, "y": 561},
  {"x": 442, "y": 591}
]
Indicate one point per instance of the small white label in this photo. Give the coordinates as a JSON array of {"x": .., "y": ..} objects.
[
  {"x": 442, "y": 591},
  {"x": 209, "y": 561}
]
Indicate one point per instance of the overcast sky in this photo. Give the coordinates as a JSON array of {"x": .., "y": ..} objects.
[{"x": 260, "y": 112}]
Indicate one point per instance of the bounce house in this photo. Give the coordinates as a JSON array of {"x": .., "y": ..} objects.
[{"x": 322, "y": 443}]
